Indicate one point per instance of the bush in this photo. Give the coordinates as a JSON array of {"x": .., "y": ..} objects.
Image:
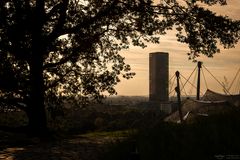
[{"x": 13, "y": 119}]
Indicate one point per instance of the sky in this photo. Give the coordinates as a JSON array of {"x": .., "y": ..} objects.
[{"x": 226, "y": 63}]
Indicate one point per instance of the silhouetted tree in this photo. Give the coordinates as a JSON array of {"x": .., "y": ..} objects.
[{"x": 70, "y": 47}]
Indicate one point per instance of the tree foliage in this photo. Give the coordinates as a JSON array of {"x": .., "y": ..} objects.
[{"x": 71, "y": 47}]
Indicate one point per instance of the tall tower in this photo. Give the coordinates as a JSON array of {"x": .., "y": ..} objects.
[{"x": 158, "y": 77}]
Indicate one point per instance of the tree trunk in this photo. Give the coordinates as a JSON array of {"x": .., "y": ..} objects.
[{"x": 36, "y": 111}]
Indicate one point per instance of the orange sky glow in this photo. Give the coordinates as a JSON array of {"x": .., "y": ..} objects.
[{"x": 226, "y": 63}]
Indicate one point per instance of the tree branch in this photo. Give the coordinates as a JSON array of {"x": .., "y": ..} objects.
[
  {"x": 61, "y": 21},
  {"x": 69, "y": 57},
  {"x": 55, "y": 83},
  {"x": 104, "y": 11}
]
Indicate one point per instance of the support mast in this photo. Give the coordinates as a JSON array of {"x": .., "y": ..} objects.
[
  {"x": 199, "y": 80},
  {"x": 177, "y": 89}
]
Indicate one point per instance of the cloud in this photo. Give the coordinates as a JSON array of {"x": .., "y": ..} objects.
[{"x": 223, "y": 64}]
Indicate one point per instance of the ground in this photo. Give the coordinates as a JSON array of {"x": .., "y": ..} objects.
[{"x": 71, "y": 147}]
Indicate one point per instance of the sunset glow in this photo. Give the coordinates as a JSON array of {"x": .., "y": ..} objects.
[{"x": 226, "y": 63}]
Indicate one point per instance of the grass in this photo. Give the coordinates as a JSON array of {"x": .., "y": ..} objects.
[{"x": 113, "y": 134}]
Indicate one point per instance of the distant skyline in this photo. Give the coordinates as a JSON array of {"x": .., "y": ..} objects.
[{"x": 223, "y": 64}]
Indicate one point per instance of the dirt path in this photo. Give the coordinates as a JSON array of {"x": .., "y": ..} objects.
[{"x": 75, "y": 147}]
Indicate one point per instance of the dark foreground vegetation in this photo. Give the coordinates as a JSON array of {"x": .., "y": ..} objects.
[
  {"x": 124, "y": 133},
  {"x": 214, "y": 137}
]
